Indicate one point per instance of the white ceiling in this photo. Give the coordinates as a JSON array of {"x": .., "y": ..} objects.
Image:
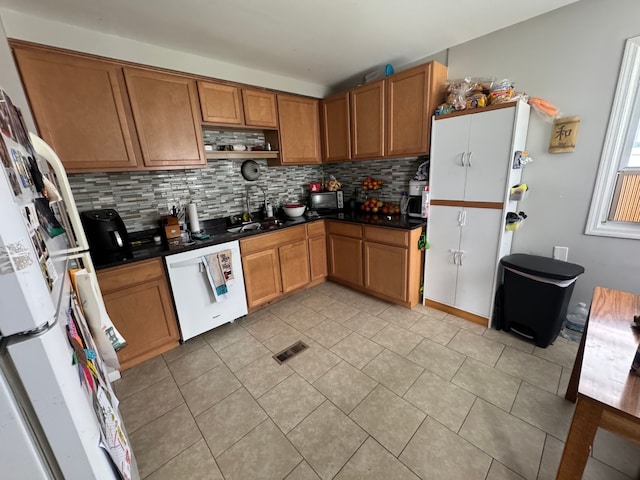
[{"x": 321, "y": 41}]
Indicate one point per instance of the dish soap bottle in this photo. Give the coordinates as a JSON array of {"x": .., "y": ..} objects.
[{"x": 269, "y": 209}]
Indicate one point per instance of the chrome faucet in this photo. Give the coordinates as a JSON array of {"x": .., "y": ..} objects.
[{"x": 264, "y": 195}]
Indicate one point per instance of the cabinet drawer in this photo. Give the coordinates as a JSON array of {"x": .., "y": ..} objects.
[
  {"x": 345, "y": 229},
  {"x": 116, "y": 278},
  {"x": 387, "y": 235},
  {"x": 270, "y": 240},
  {"x": 316, "y": 228}
]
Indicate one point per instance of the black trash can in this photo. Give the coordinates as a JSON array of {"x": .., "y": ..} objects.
[{"x": 535, "y": 295}]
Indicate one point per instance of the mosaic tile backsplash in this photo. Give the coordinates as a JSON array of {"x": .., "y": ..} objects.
[{"x": 219, "y": 190}]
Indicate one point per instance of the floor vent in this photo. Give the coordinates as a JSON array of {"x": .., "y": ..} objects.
[{"x": 290, "y": 351}]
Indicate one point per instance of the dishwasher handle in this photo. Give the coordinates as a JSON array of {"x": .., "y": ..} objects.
[{"x": 186, "y": 263}]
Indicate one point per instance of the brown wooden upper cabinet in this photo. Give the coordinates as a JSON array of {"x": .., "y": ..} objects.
[
  {"x": 368, "y": 120},
  {"x": 166, "y": 112},
  {"x": 387, "y": 118},
  {"x": 299, "y": 132},
  {"x": 259, "y": 108},
  {"x": 236, "y": 106},
  {"x": 220, "y": 103},
  {"x": 335, "y": 121},
  {"x": 80, "y": 108},
  {"x": 412, "y": 97}
]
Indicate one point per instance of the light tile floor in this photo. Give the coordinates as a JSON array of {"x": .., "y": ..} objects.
[{"x": 382, "y": 393}]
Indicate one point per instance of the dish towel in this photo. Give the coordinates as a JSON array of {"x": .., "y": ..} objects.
[
  {"x": 226, "y": 266},
  {"x": 214, "y": 274},
  {"x": 219, "y": 269}
]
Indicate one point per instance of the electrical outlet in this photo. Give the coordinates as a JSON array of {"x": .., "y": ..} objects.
[{"x": 561, "y": 253}]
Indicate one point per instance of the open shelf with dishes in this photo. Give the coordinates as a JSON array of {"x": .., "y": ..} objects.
[{"x": 219, "y": 155}]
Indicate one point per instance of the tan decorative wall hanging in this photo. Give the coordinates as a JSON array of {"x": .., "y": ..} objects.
[{"x": 564, "y": 135}]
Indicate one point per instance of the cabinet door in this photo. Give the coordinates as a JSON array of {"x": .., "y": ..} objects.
[
  {"x": 259, "y": 108},
  {"x": 367, "y": 121},
  {"x": 294, "y": 265},
  {"x": 449, "y": 143},
  {"x": 490, "y": 140},
  {"x": 138, "y": 301},
  {"x": 144, "y": 316},
  {"x": 220, "y": 103},
  {"x": 479, "y": 244},
  {"x": 165, "y": 109},
  {"x": 336, "y": 135},
  {"x": 261, "y": 276},
  {"x": 299, "y": 130},
  {"x": 440, "y": 271},
  {"x": 345, "y": 259},
  {"x": 385, "y": 270},
  {"x": 408, "y": 118},
  {"x": 318, "y": 257},
  {"x": 80, "y": 108}
]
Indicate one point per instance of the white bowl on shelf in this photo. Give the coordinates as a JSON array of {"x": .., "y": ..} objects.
[{"x": 294, "y": 210}]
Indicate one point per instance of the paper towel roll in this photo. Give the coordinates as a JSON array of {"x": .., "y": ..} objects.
[{"x": 194, "y": 224}]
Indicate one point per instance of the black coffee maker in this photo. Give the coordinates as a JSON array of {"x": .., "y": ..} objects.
[{"x": 107, "y": 236}]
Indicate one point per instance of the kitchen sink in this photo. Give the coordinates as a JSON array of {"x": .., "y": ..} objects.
[
  {"x": 271, "y": 224},
  {"x": 245, "y": 228}
]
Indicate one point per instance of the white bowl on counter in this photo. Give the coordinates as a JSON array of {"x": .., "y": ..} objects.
[{"x": 294, "y": 210}]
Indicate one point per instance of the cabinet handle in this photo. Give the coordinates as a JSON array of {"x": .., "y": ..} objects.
[
  {"x": 462, "y": 159},
  {"x": 460, "y": 218},
  {"x": 469, "y": 155},
  {"x": 463, "y": 218},
  {"x": 455, "y": 255},
  {"x": 460, "y": 255}
]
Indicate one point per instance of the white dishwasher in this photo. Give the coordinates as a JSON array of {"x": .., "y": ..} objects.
[{"x": 208, "y": 287}]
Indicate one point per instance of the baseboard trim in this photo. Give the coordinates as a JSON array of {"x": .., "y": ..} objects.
[{"x": 472, "y": 317}]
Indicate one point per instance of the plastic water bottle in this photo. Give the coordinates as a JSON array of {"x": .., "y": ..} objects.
[
  {"x": 575, "y": 321},
  {"x": 577, "y": 317},
  {"x": 404, "y": 203}
]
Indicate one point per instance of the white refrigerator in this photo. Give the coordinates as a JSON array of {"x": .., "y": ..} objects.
[{"x": 59, "y": 417}]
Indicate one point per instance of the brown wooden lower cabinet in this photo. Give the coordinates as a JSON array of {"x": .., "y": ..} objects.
[
  {"x": 274, "y": 264},
  {"x": 261, "y": 276},
  {"x": 294, "y": 265},
  {"x": 384, "y": 262},
  {"x": 317, "y": 240},
  {"x": 385, "y": 270},
  {"x": 139, "y": 303},
  {"x": 344, "y": 244}
]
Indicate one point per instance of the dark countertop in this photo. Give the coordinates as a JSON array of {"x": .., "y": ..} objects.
[{"x": 144, "y": 247}]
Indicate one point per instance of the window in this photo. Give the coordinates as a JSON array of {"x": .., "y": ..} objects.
[{"x": 615, "y": 208}]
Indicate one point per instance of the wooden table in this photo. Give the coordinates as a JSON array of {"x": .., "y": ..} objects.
[{"x": 608, "y": 395}]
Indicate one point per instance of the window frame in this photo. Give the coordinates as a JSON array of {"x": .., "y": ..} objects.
[{"x": 626, "y": 108}]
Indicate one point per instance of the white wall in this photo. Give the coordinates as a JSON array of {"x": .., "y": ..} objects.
[
  {"x": 40, "y": 30},
  {"x": 571, "y": 57}
]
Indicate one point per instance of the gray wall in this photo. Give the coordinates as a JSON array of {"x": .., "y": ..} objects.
[{"x": 571, "y": 57}]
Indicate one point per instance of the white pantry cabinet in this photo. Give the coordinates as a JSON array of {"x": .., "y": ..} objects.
[
  {"x": 471, "y": 155},
  {"x": 462, "y": 257},
  {"x": 471, "y": 172}
]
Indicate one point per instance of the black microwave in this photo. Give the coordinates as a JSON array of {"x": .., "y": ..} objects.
[{"x": 326, "y": 201}]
